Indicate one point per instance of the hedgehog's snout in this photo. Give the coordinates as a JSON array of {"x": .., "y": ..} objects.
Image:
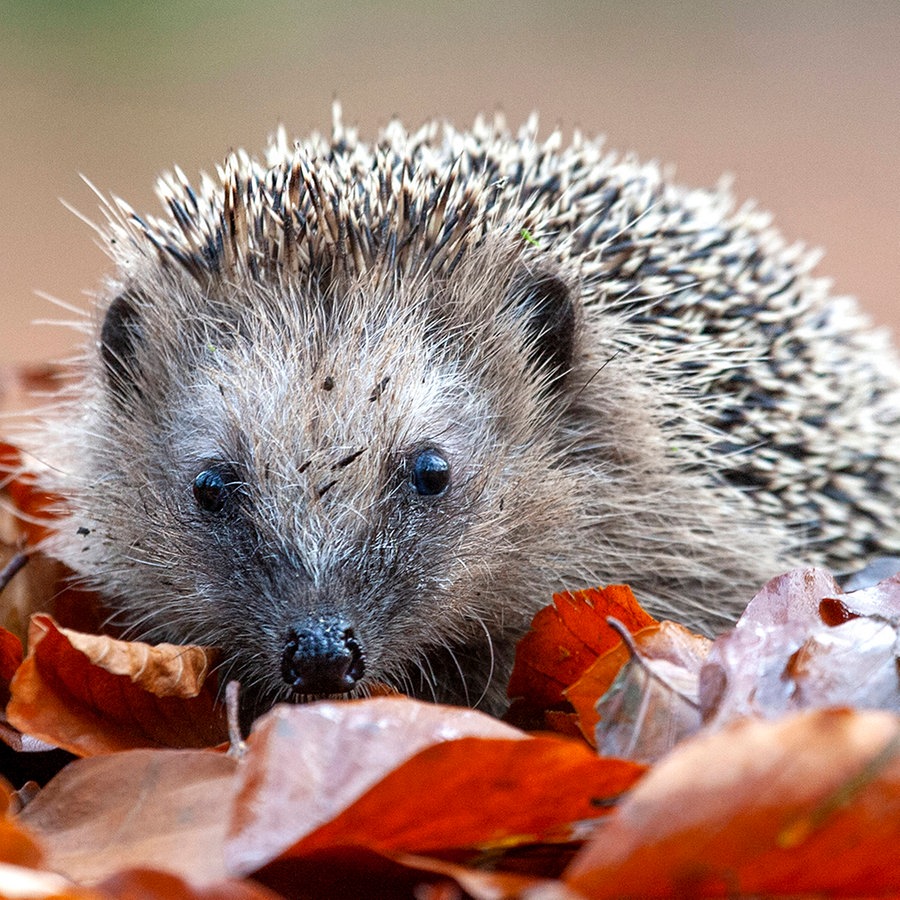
[{"x": 322, "y": 656}]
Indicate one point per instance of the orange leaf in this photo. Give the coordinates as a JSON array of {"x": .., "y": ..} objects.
[
  {"x": 564, "y": 641},
  {"x": 647, "y": 704},
  {"x": 91, "y": 694},
  {"x": 17, "y": 846},
  {"x": 479, "y": 792},
  {"x": 596, "y": 680},
  {"x": 20, "y": 487},
  {"x": 806, "y": 805}
]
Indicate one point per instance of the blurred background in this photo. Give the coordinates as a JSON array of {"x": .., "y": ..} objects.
[{"x": 800, "y": 102}]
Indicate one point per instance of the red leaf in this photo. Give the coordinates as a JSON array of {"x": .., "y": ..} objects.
[
  {"x": 308, "y": 763},
  {"x": 10, "y": 660},
  {"x": 478, "y": 792},
  {"x": 564, "y": 641},
  {"x": 20, "y": 487}
]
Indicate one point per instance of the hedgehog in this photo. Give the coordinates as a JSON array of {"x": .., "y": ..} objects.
[{"x": 352, "y": 412}]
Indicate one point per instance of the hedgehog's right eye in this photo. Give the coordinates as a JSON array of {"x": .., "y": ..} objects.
[{"x": 213, "y": 487}]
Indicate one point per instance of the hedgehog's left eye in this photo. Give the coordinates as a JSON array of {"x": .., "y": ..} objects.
[
  {"x": 430, "y": 472},
  {"x": 213, "y": 487}
]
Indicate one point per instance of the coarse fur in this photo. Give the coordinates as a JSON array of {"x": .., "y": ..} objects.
[{"x": 631, "y": 382}]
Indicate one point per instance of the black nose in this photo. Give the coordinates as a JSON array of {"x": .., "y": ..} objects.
[{"x": 322, "y": 656}]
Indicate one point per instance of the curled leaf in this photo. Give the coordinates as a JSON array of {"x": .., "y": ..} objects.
[
  {"x": 92, "y": 694},
  {"x": 783, "y": 655},
  {"x": 653, "y": 703}
]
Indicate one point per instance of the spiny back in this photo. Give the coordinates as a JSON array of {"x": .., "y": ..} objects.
[{"x": 802, "y": 393}]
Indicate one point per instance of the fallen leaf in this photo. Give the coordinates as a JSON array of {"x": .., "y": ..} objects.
[
  {"x": 10, "y": 660},
  {"x": 882, "y": 599},
  {"x": 20, "y": 488},
  {"x": 806, "y": 805},
  {"x": 790, "y": 599},
  {"x": 18, "y": 846},
  {"x": 478, "y": 792},
  {"x": 43, "y": 584},
  {"x": 307, "y": 764},
  {"x": 782, "y": 656},
  {"x": 652, "y": 704},
  {"x": 91, "y": 694},
  {"x": 160, "y": 809}
]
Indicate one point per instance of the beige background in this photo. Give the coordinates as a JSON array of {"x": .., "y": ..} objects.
[{"x": 799, "y": 101}]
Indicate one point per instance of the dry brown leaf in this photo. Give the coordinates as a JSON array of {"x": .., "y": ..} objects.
[
  {"x": 809, "y": 804},
  {"x": 653, "y": 703},
  {"x": 161, "y": 809},
  {"x": 91, "y": 694},
  {"x": 782, "y": 656}
]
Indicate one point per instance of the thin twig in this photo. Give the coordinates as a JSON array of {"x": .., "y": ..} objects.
[{"x": 232, "y": 707}]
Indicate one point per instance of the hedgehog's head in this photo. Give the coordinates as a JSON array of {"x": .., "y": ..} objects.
[{"x": 337, "y": 483}]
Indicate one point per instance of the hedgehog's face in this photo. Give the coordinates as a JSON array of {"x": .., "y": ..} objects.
[{"x": 367, "y": 495}]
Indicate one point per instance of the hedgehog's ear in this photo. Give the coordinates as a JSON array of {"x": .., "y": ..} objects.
[
  {"x": 120, "y": 337},
  {"x": 545, "y": 303}
]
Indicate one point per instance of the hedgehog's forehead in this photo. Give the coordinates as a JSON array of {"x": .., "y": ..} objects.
[{"x": 382, "y": 383}]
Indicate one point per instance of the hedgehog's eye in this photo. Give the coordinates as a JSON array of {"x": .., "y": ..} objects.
[
  {"x": 213, "y": 487},
  {"x": 430, "y": 472}
]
